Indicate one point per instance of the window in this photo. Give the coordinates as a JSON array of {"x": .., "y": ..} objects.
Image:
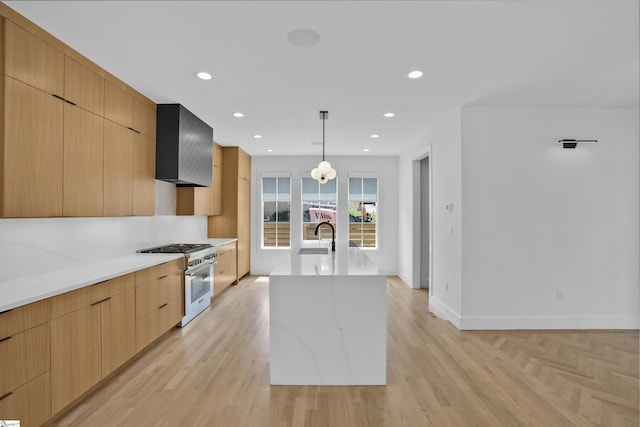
[
  {"x": 276, "y": 208},
  {"x": 363, "y": 205},
  {"x": 319, "y": 204}
]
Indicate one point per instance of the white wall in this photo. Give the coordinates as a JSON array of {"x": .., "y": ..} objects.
[
  {"x": 442, "y": 144},
  {"x": 539, "y": 219},
  {"x": 264, "y": 260},
  {"x": 37, "y": 245}
]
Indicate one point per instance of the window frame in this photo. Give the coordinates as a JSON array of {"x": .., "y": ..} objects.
[
  {"x": 366, "y": 175},
  {"x": 302, "y": 222},
  {"x": 262, "y": 222}
]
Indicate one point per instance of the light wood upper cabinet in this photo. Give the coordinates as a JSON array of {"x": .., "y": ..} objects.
[
  {"x": 217, "y": 179},
  {"x": 118, "y": 105},
  {"x": 235, "y": 217},
  {"x": 118, "y": 169},
  {"x": 144, "y": 175},
  {"x": 83, "y": 87},
  {"x": 83, "y": 178},
  {"x": 31, "y": 152},
  {"x": 32, "y": 61},
  {"x": 144, "y": 117}
]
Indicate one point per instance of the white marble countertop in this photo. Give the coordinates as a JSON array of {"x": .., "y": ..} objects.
[
  {"x": 345, "y": 261},
  {"x": 28, "y": 289}
]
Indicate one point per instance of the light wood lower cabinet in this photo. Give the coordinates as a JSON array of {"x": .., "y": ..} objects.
[
  {"x": 225, "y": 272},
  {"x": 93, "y": 335},
  {"x": 75, "y": 355},
  {"x": 159, "y": 301},
  {"x": 30, "y": 403},
  {"x": 25, "y": 364}
]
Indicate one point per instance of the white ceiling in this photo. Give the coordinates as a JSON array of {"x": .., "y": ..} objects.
[{"x": 564, "y": 53}]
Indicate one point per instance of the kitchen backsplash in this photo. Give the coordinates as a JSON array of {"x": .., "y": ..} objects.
[{"x": 34, "y": 246}]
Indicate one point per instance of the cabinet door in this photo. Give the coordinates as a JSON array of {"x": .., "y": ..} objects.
[
  {"x": 118, "y": 322},
  {"x": 244, "y": 165},
  {"x": 244, "y": 220},
  {"x": 83, "y": 163},
  {"x": 24, "y": 356},
  {"x": 31, "y": 403},
  {"x": 217, "y": 180},
  {"x": 118, "y": 105},
  {"x": 83, "y": 87},
  {"x": 118, "y": 166},
  {"x": 32, "y": 152},
  {"x": 32, "y": 61},
  {"x": 144, "y": 117},
  {"x": 75, "y": 355},
  {"x": 144, "y": 175}
]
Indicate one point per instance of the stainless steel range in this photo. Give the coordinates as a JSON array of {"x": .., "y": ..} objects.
[{"x": 199, "y": 259}]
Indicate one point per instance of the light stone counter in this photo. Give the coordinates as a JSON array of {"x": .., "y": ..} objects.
[
  {"x": 28, "y": 289},
  {"x": 328, "y": 321}
]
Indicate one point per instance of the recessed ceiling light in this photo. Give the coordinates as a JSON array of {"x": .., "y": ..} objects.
[
  {"x": 269, "y": 150},
  {"x": 365, "y": 149},
  {"x": 204, "y": 76},
  {"x": 256, "y": 136},
  {"x": 389, "y": 114},
  {"x": 375, "y": 135},
  {"x": 415, "y": 74},
  {"x": 237, "y": 114}
]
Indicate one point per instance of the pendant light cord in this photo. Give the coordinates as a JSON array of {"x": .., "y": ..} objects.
[{"x": 323, "y": 119}]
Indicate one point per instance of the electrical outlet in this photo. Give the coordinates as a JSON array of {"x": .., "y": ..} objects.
[
  {"x": 559, "y": 294},
  {"x": 450, "y": 230},
  {"x": 446, "y": 285}
]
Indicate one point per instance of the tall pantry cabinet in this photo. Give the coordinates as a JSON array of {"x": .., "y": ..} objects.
[
  {"x": 235, "y": 217},
  {"x": 69, "y": 146}
]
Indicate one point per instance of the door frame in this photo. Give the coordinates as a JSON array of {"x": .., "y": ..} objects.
[{"x": 416, "y": 223}]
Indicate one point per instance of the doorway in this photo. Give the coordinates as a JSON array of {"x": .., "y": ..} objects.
[{"x": 424, "y": 223}]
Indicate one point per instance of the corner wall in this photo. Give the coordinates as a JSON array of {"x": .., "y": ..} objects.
[
  {"x": 551, "y": 235},
  {"x": 442, "y": 143}
]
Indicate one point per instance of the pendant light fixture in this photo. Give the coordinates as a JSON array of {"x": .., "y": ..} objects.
[{"x": 324, "y": 172}]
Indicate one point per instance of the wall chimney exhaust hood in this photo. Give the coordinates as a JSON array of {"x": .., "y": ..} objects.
[{"x": 184, "y": 147}]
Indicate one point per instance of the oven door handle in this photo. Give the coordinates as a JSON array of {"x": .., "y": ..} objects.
[{"x": 195, "y": 271}]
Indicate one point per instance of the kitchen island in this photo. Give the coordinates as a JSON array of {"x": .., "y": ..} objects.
[{"x": 327, "y": 318}]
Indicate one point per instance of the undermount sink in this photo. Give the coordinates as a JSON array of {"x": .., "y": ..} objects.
[{"x": 313, "y": 251}]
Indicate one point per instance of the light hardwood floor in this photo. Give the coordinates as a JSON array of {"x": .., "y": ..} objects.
[{"x": 215, "y": 372}]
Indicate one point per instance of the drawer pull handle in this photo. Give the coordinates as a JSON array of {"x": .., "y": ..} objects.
[
  {"x": 57, "y": 96},
  {"x": 163, "y": 305},
  {"x": 102, "y": 300},
  {"x": 69, "y": 102},
  {"x": 5, "y": 339},
  {"x": 160, "y": 278},
  {"x": 6, "y": 395}
]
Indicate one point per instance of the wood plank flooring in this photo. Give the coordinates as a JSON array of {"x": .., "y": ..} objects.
[{"x": 215, "y": 372}]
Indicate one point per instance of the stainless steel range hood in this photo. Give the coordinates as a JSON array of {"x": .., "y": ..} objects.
[{"x": 184, "y": 147}]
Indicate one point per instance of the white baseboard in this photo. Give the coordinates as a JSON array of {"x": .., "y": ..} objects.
[
  {"x": 583, "y": 322},
  {"x": 443, "y": 311},
  {"x": 405, "y": 279}
]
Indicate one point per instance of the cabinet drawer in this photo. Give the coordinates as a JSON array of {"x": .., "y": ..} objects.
[
  {"x": 75, "y": 300},
  {"x": 226, "y": 248},
  {"x": 156, "y": 323},
  {"x": 152, "y": 295},
  {"x": 22, "y": 318},
  {"x": 24, "y": 356},
  {"x": 31, "y": 403},
  {"x": 149, "y": 274}
]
